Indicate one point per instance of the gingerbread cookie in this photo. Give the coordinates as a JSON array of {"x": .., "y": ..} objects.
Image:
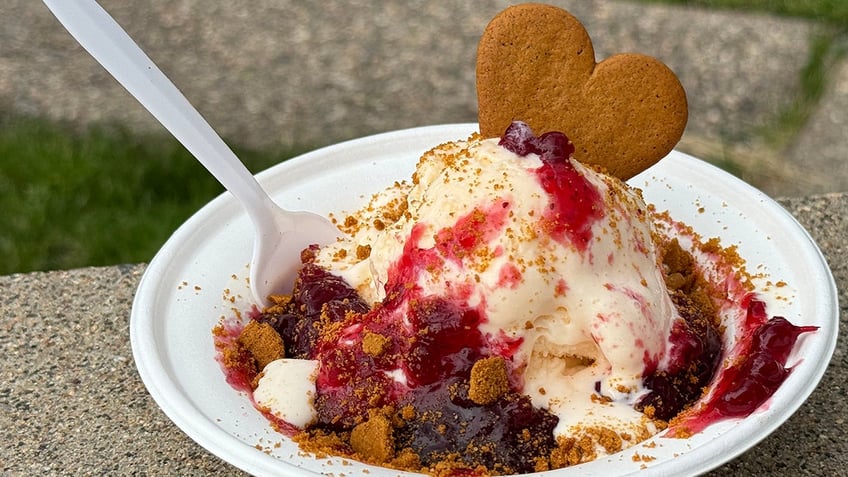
[{"x": 536, "y": 63}]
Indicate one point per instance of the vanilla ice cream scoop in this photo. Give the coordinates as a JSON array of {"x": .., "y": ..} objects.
[{"x": 559, "y": 258}]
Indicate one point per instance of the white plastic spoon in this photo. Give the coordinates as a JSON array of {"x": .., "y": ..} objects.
[{"x": 280, "y": 234}]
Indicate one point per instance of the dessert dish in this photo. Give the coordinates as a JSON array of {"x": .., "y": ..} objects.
[
  {"x": 443, "y": 373},
  {"x": 511, "y": 308},
  {"x": 180, "y": 299}
]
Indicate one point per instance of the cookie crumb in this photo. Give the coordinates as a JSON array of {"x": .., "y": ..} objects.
[
  {"x": 489, "y": 380},
  {"x": 374, "y": 439},
  {"x": 375, "y": 344},
  {"x": 363, "y": 252},
  {"x": 408, "y": 412},
  {"x": 642, "y": 457},
  {"x": 263, "y": 342}
]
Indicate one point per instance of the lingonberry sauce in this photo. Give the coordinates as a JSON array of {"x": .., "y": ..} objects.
[
  {"x": 450, "y": 422},
  {"x": 763, "y": 369},
  {"x": 575, "y": 203},
  {"x": 742, "y": 388},
  {"x": 693, "y": 359},
  {"x": 316, "y": 290}
]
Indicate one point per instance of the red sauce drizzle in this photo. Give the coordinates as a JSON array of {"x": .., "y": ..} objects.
[
  {"x": 744, "y": 387},
  {"x": 575, "y": 204}
]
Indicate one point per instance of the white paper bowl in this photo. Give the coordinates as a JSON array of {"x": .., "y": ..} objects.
[{"x": 188, "y": 286}]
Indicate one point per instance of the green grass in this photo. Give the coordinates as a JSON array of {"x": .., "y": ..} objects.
[
  {"x": 96, "y": 197},
  {"x": 825, "y": 49}
]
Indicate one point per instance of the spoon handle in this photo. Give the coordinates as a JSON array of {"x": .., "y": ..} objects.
[{"x": 112, "y": 47}]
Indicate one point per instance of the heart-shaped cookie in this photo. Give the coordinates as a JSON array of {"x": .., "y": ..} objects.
[{"x": 535, "y": 63}]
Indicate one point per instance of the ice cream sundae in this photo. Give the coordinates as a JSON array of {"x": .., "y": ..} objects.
[{"x": 507, "y": 309}]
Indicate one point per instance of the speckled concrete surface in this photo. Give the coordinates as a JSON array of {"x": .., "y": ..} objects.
[
  {"x": 73, "y": 404},
  {"x": 817, "y": 157}
]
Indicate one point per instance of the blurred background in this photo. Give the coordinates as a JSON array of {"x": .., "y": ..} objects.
[{"x": 88, "y": 177}]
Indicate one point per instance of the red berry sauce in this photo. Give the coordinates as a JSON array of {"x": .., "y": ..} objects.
[
  {"x": 694, "y": 356},
  {"x": 240, "y": 369},
  {"x": 740, "y": 389},
  {"x": 575, "y": 203}
]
